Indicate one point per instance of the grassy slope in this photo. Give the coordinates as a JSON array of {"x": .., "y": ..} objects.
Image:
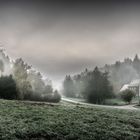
[{"x": 31, "y": 121}]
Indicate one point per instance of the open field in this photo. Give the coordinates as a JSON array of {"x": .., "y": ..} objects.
[{"x": 24, "y": 121}]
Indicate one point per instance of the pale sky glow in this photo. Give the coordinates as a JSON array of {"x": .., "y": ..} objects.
[{"x": 62, "y": 38}]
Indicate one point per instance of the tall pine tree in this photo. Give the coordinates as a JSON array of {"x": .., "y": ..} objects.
[
  {"x": 98, "y": 87},
  {"x": 68, "y": 87}
]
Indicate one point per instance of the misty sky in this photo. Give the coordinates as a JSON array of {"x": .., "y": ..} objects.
[{"x": 64, "y": 37}]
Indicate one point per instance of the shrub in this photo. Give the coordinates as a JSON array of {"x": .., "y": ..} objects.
[
  {"x": 34, "y": 97},
  {"x": 52, "y": 97},
  {"x": 127, "y": 95},
  {"x": 57, "y": 96},
  {"x": 8, "y": 87}
]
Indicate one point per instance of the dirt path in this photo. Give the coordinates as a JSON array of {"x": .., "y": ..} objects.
[
  {"x": 78, "y": 102},
  {"x": 127, "y": 107}
]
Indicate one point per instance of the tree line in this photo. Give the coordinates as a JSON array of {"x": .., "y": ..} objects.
[
  {"x": 24, "y": 82},
  {"x": 103, "y": 83},
  {"x": 123, "y": 72},
  {"x": 93, "y": 86}
]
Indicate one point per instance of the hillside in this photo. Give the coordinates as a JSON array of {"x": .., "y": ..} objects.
[{"x": 29, "y": 120}]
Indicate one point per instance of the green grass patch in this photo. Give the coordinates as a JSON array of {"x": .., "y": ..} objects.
[
  {"x": 115, "y": 101},
  {"x": 119, "y": 101},
  {"x": 26, "y": 121}
]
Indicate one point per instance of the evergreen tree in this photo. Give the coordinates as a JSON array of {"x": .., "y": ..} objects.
[
  {"x": 68, "y": 87},
  {"x": 117, "y": 65},
  {"x": 107, "y": 87},
  {"x": 136, "y": 64},
  {"x": 1, "y": 66},
  {"x": 8, "y": 87},
  {"x": 136, "y": 58},
  {"x": 98, "y": 87}
]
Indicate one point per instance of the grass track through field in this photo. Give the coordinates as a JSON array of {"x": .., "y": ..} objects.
[{"x": 126, "y": 107}]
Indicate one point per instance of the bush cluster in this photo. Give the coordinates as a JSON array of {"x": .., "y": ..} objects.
[{"x": 51, "y": 97}]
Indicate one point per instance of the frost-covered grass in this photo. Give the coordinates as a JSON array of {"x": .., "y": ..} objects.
[
  {"x": 119, "y": 101},
  {"x": 115, "y": 101},
  {"x": 19, "y": 120}
]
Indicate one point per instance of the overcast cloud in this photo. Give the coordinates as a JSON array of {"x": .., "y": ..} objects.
[{"x": 60, "y": 37}]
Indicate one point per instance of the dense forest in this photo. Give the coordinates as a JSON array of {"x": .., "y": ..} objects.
[
  {"x": 106, "y": 80},
  {"x": 93, "y": 86}
]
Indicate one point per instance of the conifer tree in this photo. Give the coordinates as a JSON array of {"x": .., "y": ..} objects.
[
  {"x": 68, "y": 86},
  {"x": 98, "y": 87}
]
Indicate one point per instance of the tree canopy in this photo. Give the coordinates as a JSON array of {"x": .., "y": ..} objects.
[
  {"x": 94, "y": 86},
  {"x": 98, "y": 87}
]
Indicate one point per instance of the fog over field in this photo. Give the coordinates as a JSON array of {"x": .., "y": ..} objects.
[{"x": 64, "y": 37}]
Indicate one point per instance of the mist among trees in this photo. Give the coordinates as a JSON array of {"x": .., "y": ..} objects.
[
  {"x": 102, "y": 83},
  {"x": 93, "y": 86},
  {"x": 124, "y": 72},
  {"x": 24, "y": 82}
]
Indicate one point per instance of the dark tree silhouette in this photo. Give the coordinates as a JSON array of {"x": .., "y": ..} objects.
[
  {"x": 8, "y": 87},
  {"x": 98, "y": 87},
  {"x": 68, "y": 86}
]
